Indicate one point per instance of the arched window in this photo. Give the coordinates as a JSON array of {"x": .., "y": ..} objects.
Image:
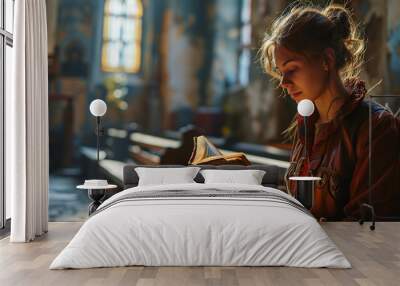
[{"x": 122, "y": 36}]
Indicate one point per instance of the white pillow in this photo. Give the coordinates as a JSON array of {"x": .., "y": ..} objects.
[
  {"x": 248, "y": 177},
  {"x": 163, "y": 176}
]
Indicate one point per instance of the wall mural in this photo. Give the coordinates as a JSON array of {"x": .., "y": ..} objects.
[{"x": 190, "y": 69}]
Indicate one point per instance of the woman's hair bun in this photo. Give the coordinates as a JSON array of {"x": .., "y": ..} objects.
[
  {"x": 309, "y": 30},
  {"x": 341, "y": 18}
]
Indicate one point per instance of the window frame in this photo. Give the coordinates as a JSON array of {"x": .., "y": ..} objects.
[
  {"x": 245, "y": 46},
  {"x": 6, "y": 39}
]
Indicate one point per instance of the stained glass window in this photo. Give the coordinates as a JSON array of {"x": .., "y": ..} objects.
[{"x": 122, "y": 35}]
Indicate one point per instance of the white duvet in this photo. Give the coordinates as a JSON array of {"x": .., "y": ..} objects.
[{"x": 200, "y": 231}]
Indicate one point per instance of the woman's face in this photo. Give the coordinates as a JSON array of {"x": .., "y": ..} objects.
[{"x": 302, "y": 78}]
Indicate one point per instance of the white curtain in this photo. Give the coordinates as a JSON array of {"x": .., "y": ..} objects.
[{"x": 27, "y": 124}]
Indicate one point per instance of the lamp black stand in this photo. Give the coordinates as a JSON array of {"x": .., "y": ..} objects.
[
  {"x": 96, "y": 194},
  {"x": 305, "y": 188},
  {"x": 305, "y": 141},
  {"x": 368, "y": 207},
  {"x": 364, "y": 208},
  {"x": 99, "y": 133},
  {"x": 97, "y": 137}
]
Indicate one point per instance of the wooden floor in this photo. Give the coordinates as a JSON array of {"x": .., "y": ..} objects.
[{"x": 375, "y": 257}]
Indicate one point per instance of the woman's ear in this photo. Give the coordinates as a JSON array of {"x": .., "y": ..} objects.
[{"x": 329, "y": 59}]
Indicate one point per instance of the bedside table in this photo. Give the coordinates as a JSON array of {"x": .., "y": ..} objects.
[
  {"x": 305, "y": 189},
  {"x": 95, "y": 193}
]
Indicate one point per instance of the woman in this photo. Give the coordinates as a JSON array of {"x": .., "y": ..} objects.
[{"x": 317, "y": 54}]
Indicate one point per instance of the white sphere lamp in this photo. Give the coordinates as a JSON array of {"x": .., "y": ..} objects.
[
  {"x": 305, "y": 107},
  {"x": 98, "y": 107}
]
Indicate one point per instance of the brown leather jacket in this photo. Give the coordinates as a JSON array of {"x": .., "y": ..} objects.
[{"x": 339, "y": 155}]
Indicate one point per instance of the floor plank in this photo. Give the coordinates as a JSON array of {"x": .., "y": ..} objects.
[{"x": 375, "y": 257}]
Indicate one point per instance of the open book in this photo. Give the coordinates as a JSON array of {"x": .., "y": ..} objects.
[{"x": 205, "y": 153}]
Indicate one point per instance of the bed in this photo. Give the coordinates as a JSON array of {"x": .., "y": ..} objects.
[{"x": 201, "y": 224}]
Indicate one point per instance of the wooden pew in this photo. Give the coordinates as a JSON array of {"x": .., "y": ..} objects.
[{"x": 144, "y": 149}]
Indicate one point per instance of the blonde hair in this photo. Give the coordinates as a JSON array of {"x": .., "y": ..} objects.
[{"x": 309, "y": 31}]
